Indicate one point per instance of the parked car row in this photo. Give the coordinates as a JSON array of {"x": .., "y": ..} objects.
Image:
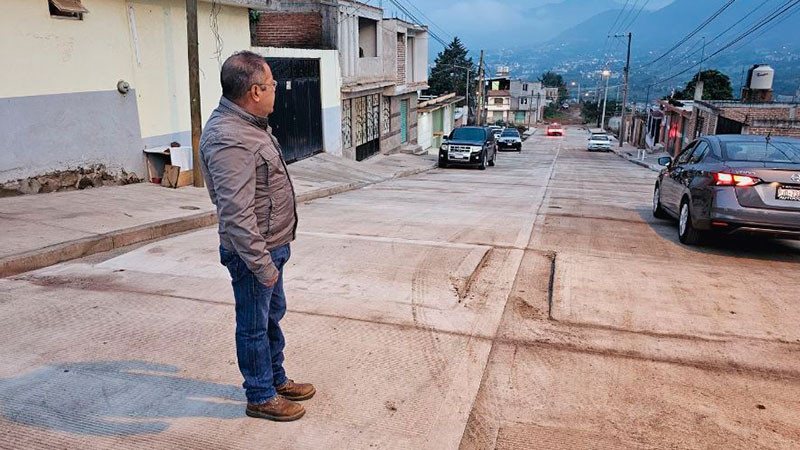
[{"x": 477, "y": 146}]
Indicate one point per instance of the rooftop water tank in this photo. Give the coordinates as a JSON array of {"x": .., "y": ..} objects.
[{"x": 760, "y": 77}]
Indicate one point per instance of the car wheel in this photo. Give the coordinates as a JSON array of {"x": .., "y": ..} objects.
[
  {"x": 687, "y": 233},
  {"x": 483, "y": 161},
  {"x": 658, "y": 210},
  {"x": 442, "y": 165}
]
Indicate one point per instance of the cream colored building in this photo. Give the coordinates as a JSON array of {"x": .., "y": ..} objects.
[
  {"x": 60, "y": 107},
  {"x": 435, "y": 120}
]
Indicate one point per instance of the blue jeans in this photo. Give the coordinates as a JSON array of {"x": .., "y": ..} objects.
[{"x": 259, "y": 340}]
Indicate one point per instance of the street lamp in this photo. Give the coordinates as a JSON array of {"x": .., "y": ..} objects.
[
  {"x": 607, "y": 75},
  {"x": 577, "y": 97}
]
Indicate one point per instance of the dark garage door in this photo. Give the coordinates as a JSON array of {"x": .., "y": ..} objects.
[{"x": 297, "y": 119}]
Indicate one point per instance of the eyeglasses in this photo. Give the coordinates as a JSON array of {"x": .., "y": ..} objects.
[{"x": 273, "y": 83}]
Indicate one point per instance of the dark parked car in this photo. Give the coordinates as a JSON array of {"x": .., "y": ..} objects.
[
  {"x": 732, "y": 183},
  {"x": 510, "y": 138},
  {"x": 475, "y": 146}
]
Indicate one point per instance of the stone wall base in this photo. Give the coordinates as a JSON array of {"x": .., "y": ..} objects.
[{"x": 68, "y": 180}]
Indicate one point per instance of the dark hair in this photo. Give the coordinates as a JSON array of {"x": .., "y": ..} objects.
[{"x": 239, "y": 72}]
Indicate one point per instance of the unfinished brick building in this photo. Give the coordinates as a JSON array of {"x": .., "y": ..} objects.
[{"x": 736, "y": 117}]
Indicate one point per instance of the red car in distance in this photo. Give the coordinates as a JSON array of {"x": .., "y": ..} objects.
[{"x": 555, "y": 129}]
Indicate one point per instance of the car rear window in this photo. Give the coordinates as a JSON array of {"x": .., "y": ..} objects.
[
  {"x": 469, "y": 134},
  {"x": 514, "y": 133},
  {"x": 599, "y": 137},
  {"x": 769, "y": 152}
]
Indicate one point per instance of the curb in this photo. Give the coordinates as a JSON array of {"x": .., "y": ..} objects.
[
  {"x": 636, "y": 161},
  {"x": 79, "y": 248}
]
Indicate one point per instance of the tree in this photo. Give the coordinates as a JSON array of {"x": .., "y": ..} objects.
[
  {"x": 592, "y": 111},
  {"x": 716, "y": 86},
  {"x": 448, "y": 73},
  {"x": 552, "y": 79}
]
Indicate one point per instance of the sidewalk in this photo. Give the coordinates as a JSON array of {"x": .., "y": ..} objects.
[
  {"x": 630, "y": 153},
  {"x": 44, "y": 229}
]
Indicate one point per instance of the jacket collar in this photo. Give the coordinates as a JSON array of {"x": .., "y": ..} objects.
[{"x": 228, "y": 107}]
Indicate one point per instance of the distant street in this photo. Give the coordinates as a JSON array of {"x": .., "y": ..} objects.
[{"x": 536, "y": 304}]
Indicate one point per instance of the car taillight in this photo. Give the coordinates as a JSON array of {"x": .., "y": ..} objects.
[{"x": 729, "y": 179}]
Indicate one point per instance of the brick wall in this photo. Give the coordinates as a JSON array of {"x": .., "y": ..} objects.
[
  {"x": 778, "y": 121},
  {"x": 288, "y": 29},
  {"x": 401, "y": 59},
  {"x": 763, "y": 131}
]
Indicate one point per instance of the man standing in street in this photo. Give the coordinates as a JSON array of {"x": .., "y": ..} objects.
[{"x": 247, "y": 180}]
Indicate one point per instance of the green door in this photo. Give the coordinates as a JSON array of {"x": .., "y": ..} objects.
[{"x": 404, "y": 121}]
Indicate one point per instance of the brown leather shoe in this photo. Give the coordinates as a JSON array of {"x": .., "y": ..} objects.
[
  {"x": 278, "y": 409},
  {"x": 296, "y": 391}
]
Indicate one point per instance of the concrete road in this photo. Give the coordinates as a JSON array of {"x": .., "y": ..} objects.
[{"x": 534, "y": 304}]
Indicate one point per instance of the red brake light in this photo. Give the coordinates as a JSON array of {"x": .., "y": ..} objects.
[
  {"x": 727, "y": 179},
  {"x": 723, "y": 179}
]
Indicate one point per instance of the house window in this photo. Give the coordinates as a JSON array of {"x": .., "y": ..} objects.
[
  {"x": 498, "y": 101},
  {"x": 525, "y": 87},
  {"x": 523, "y": 101},
  {"x": 367, "y": 38},
  {"x": 67, "y": 9}
]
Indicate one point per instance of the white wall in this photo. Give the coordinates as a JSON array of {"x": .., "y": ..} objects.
[
  {"x": 425, "y": 132},
  {"x": 79, "y": 62},
  {"x": 57, "y": 56}
]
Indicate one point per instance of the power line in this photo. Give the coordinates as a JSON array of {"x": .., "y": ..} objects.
[
  {"x": 429, "y": 21},
  {"x": 618, "y": 16},
  {"x": 738, "y": 22},
  {"x": 630, "y": 11},
  {"x": 637, "y": 15},
  {"x": 692, "y": 33},
  {"x": 690, "y": 53},
  {"x": 405, "y": 10},
  {"x": 766, "y": 20},
  {"x": 783, "y": 19}
]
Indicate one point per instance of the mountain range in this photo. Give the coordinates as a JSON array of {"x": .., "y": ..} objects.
[{"x": 580, "y": 50}]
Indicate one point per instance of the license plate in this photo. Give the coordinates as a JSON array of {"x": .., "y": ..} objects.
[
  {"x": 459, "y": 155},
  {"x": 786, "y": 193}
]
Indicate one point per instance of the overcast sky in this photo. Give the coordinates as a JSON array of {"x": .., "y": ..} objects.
[{"x": 493, "y": 24}]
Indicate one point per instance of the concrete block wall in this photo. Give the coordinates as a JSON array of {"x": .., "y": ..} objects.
[
  {"x": 401, "y": 58},
  {"x": 288, "y": 29}
]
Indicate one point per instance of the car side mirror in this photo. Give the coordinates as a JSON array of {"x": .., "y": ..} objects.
[{"x": 664, "y": 161}]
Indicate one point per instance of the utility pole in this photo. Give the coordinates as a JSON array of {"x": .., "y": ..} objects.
[
  {"x": 467, "y": 102},
  {"x": 194, "y": 89},
  {"x": 625, "y": 91},
  {"x": 479, "y": 96},
  {"x": 607, "y": 74}
]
